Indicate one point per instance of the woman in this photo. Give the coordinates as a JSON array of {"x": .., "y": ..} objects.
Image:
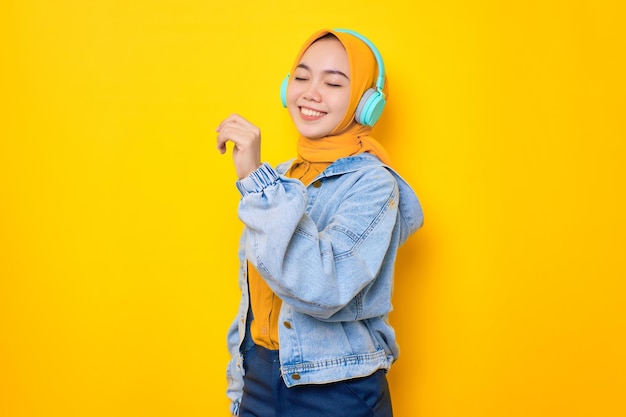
[{"x": 319, "y": 245}]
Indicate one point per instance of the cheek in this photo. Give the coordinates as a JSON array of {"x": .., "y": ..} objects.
[
  {"x": 292, "y": 96},
  {"x": 292, "y": 93},
  {"x": 341, "y": 102}
]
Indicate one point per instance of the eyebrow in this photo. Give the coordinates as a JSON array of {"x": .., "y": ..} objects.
[{"x": 306, "y": 67}]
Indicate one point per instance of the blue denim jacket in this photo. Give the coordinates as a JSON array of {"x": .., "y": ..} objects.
[{"x": 328, "y": 251}]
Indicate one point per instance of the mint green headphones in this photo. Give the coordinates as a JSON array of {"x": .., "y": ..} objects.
[{"x": 373, "y": 101}]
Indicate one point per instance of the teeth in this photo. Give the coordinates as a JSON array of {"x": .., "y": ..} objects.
[{"x": 311, "y": 113}]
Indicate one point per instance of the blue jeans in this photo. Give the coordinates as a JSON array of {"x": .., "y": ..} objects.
[{"x": 265, "y": 394}]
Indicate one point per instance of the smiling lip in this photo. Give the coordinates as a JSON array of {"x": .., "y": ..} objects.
[{"x": 310, "y": 114}]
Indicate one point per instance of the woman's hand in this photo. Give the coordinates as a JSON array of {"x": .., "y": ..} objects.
[{"x": 246, "y": 138}]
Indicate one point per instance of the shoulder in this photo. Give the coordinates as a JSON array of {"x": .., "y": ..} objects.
[{"x": 364, "y": 168}]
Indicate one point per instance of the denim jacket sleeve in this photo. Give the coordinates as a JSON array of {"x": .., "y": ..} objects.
[{"x": 318, "y": 270}]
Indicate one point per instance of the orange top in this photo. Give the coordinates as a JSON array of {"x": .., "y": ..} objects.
[{"x": 314, "y": 155}]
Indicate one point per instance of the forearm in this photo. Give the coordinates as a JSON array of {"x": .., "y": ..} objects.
[{"x": 316, "y": 271}]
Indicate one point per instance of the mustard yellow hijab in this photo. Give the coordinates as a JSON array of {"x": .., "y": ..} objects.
[{"x": 348, "y": 137}]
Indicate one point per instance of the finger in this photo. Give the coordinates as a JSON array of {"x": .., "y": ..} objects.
[
  {"x": 237, "y": 133},
  {"x": 230, "y": 132},
  {"x": 221, "y": 142},
  {"x": 221, "y": 147},
  {"x": 222, "y": 137},
  {"x": 233, "y": 133},
  {"x": 232, "y": 119},
  {"x": 223, "y": 123}
]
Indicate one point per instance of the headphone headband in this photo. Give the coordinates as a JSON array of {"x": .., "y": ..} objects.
[{"x": 380, "y": 80}]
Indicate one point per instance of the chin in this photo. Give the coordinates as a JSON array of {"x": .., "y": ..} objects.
[
  {"x": 311, "y": 135},
  {"x": 313, "y": 132}
]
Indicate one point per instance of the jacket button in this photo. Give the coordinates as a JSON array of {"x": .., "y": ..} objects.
[
  {"x": 287, "y": 325},
  {"x": 317, "y": 184},
  {"x": 295, "y": 377}
]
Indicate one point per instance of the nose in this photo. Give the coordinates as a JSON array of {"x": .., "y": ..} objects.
[{"x": 312, "y": 93}]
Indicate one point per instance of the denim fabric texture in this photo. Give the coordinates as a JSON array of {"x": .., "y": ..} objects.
[
  {"x": 265, "y": 394},
  {"x": 328, "y": 251}
]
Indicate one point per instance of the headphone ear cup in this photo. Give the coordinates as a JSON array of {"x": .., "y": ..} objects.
[
  {"x": 370, "y": 107},
  {"x": 283, "y": 90}
]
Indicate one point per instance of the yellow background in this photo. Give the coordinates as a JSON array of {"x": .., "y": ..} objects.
[{"x": 118, "y": 224}]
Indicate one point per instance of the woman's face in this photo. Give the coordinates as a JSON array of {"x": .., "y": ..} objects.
[{"x": 318, "y": 94}]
